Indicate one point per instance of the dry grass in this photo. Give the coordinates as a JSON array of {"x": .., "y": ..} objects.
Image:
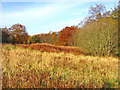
[
  {"x": 52, "y": 48},
  {"x": 27, "y": 68}
]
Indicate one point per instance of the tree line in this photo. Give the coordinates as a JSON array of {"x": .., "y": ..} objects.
[
  {"x": 17, "y": 34},
  {"x": 97, "y": 34}
]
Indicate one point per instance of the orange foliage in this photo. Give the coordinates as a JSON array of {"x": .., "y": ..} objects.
[
  {"x": 18, "y": 33},
  {"x": 66, "y": 34}
]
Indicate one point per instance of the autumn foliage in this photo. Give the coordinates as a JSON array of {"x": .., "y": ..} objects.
[
  {"x": 15, "y": 34},
  {"x": 66, "y": 34},
  {"x": 97, "y": 34}
]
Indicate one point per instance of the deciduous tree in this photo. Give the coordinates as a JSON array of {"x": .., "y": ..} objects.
[
  {"x": 66, "y": 34},
  {"x": 18, "y": 33}
]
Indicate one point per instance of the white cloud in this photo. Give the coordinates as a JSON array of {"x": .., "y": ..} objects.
[
  {"x": 39, "y": 12},
  {"x": 35, "y": 13}
]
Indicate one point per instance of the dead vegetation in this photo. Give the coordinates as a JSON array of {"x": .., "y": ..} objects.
[
  {"x": 27, "y": 68},
  {"x": 51, "y": 48}
]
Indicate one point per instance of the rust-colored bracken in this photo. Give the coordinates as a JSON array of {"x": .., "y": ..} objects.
[{"x": 51, "y": 48}]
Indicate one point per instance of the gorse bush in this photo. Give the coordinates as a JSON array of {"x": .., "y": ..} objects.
[{"x": 99, "y": 37}]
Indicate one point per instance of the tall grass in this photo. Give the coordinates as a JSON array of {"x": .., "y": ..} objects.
[{"x": 26, "y": 68}]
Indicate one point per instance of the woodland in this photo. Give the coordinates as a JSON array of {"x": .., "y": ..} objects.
[{"x": 97, "y": 34}]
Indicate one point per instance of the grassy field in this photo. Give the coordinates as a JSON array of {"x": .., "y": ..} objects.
[{"x": 27, "y": 68}]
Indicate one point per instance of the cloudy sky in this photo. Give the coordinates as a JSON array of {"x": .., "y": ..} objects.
[{"x": 42, "y": 17}]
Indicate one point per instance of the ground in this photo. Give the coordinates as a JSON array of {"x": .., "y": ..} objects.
[{"x": 29, "y": 68}]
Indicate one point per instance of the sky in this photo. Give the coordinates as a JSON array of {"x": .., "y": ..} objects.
[{"x": 43, "y": 17}]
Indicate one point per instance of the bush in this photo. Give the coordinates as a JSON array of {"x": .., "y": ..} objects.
[{"x": 99, "y": 37}]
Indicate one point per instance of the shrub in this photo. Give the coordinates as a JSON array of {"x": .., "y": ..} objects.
[{"x": 99, "y": 37}]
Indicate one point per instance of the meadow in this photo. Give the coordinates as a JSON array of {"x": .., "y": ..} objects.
[{"x": 29, "y": 68}]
